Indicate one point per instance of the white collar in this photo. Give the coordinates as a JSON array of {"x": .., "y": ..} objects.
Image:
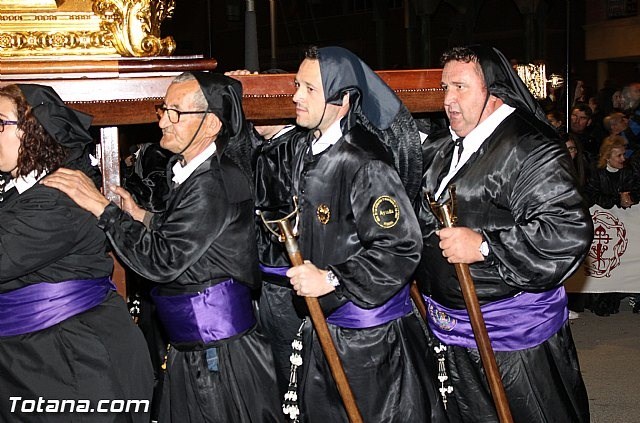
[
  {"x": 23, "y": 183},
  {"x": 282, "y": 132},
  {"x": 612, "y": 169},
  {"x": 181, "y": 173},
  {"x": 326, "y": 140},
  {"x": 473, "y": 141}
]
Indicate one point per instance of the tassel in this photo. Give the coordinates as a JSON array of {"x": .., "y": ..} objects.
[
  {"x": 290, "y": 405},
  {"x": 445, "y": 387}
]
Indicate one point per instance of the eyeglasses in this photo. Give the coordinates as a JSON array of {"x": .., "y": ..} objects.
[
  {"x": 7, "y": 122},
  {"x": 173, "y": 114},
  {"x": 572, "y": 149}
]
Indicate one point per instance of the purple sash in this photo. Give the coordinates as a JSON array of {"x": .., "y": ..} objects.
[
  {"x": 516, "y": 323},
  {"x": 278, "y": 271},
  {"x": 351, "y": 316},
  {"x": 219, "y": 312},
  {"x": 42, "y": 305}
]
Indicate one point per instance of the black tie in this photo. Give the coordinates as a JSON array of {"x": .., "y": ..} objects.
[{"x": 458, "y": 143}]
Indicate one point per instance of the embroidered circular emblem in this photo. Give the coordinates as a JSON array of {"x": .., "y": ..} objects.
[
  {"x": 386, "y": 212},
  {"x": 608, "y": 245},
  {"x": 323, "y": 213},
  {"x": 442, "y": 319}
]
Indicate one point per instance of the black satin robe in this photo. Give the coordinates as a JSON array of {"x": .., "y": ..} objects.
[
  {"x": 279, "y": 316},
  {"x": 519, "y": 190},
  {"x": 205, "y": 236},
  {"x": 98, "y": 354},
  {"x": 385, "y": 365}
]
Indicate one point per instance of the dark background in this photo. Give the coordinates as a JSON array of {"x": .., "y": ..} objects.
[{"x": 393, "y": 34}]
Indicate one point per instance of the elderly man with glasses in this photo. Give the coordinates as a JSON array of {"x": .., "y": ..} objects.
[{"x": 202, "y": 253}]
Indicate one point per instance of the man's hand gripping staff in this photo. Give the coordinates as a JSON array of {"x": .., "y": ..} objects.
[
  {"x": 445, "y": 213},
  {"x": 287, "y": 235}
]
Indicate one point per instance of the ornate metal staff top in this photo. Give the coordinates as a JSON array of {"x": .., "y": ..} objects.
[
  {"x": 445, "y": 212},
  {"x": 288, "y": 236}
]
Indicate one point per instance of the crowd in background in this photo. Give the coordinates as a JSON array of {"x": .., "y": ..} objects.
[{"x": 602, "y": 135}]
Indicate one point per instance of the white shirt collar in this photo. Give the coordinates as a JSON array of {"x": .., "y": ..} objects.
[
  {"x": 330, "y": 137},
  {"x": 282, "y": 131},
  {"x": 23, "y": 183},
  {"x": 181, "y": 173},
  {"x": 472, "y": 142}
]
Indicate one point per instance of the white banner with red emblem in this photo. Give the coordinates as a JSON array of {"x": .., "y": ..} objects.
[{"x": 613, "y": 262}]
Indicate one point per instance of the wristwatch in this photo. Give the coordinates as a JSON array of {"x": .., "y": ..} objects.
[
  {"x": 484, "y": 249},
  {"x": 332, "y": 279}
]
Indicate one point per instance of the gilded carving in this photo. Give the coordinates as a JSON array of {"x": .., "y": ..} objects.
[
  {"x": 135, "y": 25},
  {"x": 99, "y": 27},
  {"x": 29, "y": 4},
  {"x": 55, "y": 42}
]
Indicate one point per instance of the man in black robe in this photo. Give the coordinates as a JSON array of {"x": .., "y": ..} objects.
[
  {"x": 280, "y": 311},
  {"x": 522, "y": 227},
  {"x": 362, "y": 240},
  {"x": 201, "y": 251}
]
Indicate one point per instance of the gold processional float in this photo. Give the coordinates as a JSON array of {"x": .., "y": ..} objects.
[
  {"x": 107, "y": 28},
  {"x": 103, "y": 57}
]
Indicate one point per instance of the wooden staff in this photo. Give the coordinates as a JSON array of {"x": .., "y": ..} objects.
[
  {"x": 446, "y": 215},
  {"x": 418, "y": 301},
  {"x": 320, "y": 324}
]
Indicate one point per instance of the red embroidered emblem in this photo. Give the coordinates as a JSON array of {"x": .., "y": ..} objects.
[{"x": 609, "y": 244}]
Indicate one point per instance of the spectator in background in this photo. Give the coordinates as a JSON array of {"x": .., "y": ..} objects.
[
  {"x": 580, "y": 126},
  {"x": 579, "y": 161},
  {"x": 604, "y": 96},
  {"x": 597, "y": 129},
  {"x": 556, "y": 119},
  {"x": 617, "y": 123},
  {"x": 617, "y": 102},
  {"x": 631, "y": 106},
  {"x": 580, "y": 94},
  {"x": 576, "y": 301},
  {"x": 611, "y": 184}
]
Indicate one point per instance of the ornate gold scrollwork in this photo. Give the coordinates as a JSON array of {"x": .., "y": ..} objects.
[
  {"x": 135, "y": 25},
  {"x": 74, "y": 27}
]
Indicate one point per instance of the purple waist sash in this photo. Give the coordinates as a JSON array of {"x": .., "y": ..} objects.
[
  {"x": 219, "y": 312},
  {"x": 351, "y": 316},
  {"x": 40, "y": 306},
  {"x": 278, "y": 271},
  {"x": 516, "y": 323}
]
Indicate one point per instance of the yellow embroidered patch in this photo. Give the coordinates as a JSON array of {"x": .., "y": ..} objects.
[
  {"x": 323, "y": 213},
  {"x": 386, "y": 211}
]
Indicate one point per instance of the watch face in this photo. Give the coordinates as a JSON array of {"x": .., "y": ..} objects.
[
  {"x": 484, "y": 248},
  {"x": 332, "y": 279}
]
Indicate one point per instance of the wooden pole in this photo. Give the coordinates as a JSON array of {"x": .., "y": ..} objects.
[
  {"x": 320, "y": 324},
  {"x": 418, "y": 301},
  {"x": 480, "y": 331}
]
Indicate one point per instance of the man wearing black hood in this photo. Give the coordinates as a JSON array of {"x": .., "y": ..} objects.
[
  {"x": 362, "y": 242},
  {"x": 201, "y": 251},
  {"x": 523, "y": 229}
]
